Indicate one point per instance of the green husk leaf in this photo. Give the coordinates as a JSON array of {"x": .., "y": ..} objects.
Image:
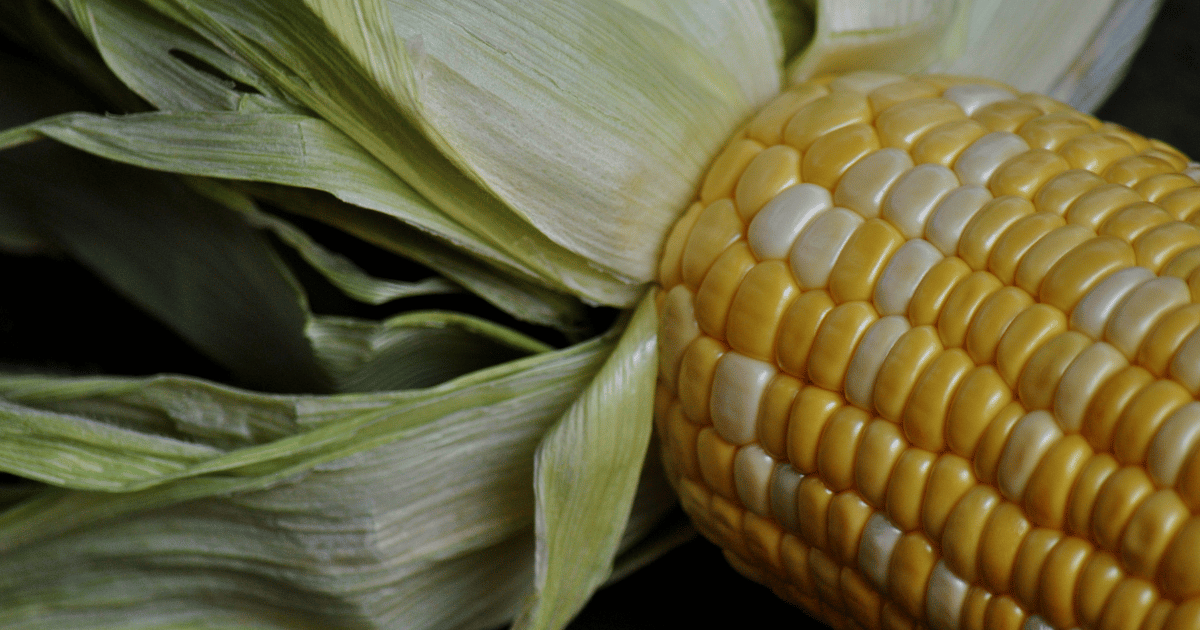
[
  {"x": 190, "y": 262},
  {"x": 375, "y": 510},
  {"x": 587, "y": 472},
  {"x": 591, "y": 120},
  {"x": 416, "y": 349}
]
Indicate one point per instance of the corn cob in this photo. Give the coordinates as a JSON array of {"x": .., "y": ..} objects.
[{"x": 930, "y": 351}]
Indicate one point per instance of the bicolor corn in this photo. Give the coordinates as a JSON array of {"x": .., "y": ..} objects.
[{"x": 930, "y": 352}]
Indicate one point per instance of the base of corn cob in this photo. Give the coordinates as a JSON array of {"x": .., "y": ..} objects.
[{"x": 930, "y": 354}]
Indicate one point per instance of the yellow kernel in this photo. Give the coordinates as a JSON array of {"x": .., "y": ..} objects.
[
  {"x": 1137, "y": 141},
  {"x": 864, "y": 186},
  {"x": 961, "y": 305},
  {"x": 1058, "y": 580},
  {"x": 716, "y": 228},
  {"x": 1153, "y": 526},
  {"x": 717, "y": 290},
  {"x": 812, "y": 503},
  {"x": 1181, "y": 204},
  {"x": 1041, "y": 375},
  {"x": 716, "y": 463},
  {"x": 1003, "y": 613},
  {"x": 1131, "y": 170},
  {"x": 1041, "y": 258},
  {"x": 797, "y": 330},
  {"x": 847, "y": 516},
  {"x": 1185, "y": 616},
  {"x": 885, "y": 96},
  {"x": 1156, "y": 186},
  {"x": 906, "y": 488},
  {"x": 1050, "y": 131},
  {"x": 696, "y": 370},
  {"x": 1100, "y": 418},
  {"x": 1159, "y": 347},
  {"x": 1160, "y": 244},
  {"x": 949, "y": 480},
  {"x": 758, "y": 306},
  {"x": 679, "y": 440},
  {"x": 985, "y": 229},
  {"x": 991, "y": 444},
  {"x": 1143, "y": 416},
  {"x": 823, "y": 115},
  {"x": 944, "y": 143},
  {"x": 774, "y": 413},
  {"x": 1049, "y": 487},
  {"x": 1025, "y": 174},
  {"x": 980, "y": 397},
  {"x": 1082, "y": 268},
  {"x": 1178, "y": 571},
  {"x": 677, "y": 332},
  {"x": 726, "y": 169},
  {"x": 905, "y": 123},
  {"x": 670, "y": 266},
  {"x": 1000, "y": 541},
  {"x": 833, "y": 153},
  {"x": 1031, "y": 329},
  {"x": 904, "y": 364},
  {"x": 836, "y": 340},
  {"x": 1133, "y": 220},
  {"x": 1030, "y": 559},
  {"x": 862, "y": 260},
  {"x": 993, "y": 317},
  {"x": 908, "y": 573},
  {"x": 964, "y": 532},
  {"x": 1119, "y": 497},
  {"x": 932, "y": 291},
  {"x": 1099, "y": 578},
  {"x": 1062, "y": 190},
  {"x": 1017, "y": 239},
  {"x": 1183, "y": 264},
  {"x": 837, "y": 446},
  {"x": 1128, "y": 605},
  {"x": 767, "y": 126},
  {"x": 862, "y": 602},
  {"x": 811, "y": 412},
  {"x": 772, "y": 170},
  {"x": 1084, "y": 378},
  {"x": 880, "y": 449},
  {"x": 1006, "y": 115},
  {"x": 924, "y": 416},
  {"x": 1095, "y": 151},
  {"x": 763, "y": 542}
]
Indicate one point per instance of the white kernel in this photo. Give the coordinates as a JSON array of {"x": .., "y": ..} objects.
[
  {"x": 785, "y": 482},
  {"x": 775, "y": 228},
  {"x": 864, "y": 81},
  {"x": 1033, "y": 435},
  {"x": 1081, "y": 381},
  {"x": 953, "y": 214},
  {"x": 752, "y": 468},
  {"x": 864, "y": 366},
  {"x": 915, "y": 195},
  {"x": 902, "y": 274},
  {"x": 875, "y": 549},
  {"x": 1090, "y": 316},
  {"x": 678, "y": 330},
  {"x": 1176, "y": 438},
  {"x": 977, "y": 162},
  {"x": 1193, "y": 171},
  {"x": 945, "y": 597},
  {"x": 738, "y": 384},
  {"x": 972, "y": 96},
  {"x": 864, "y": 186},
  {"x": 820, "y": 244},
  {"x": 1137, "y": 314}
]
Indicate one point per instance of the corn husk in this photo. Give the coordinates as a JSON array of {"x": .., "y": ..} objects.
[{"x": 423, "y": 469}]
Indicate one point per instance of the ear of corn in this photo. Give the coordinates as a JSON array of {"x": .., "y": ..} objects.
[{"x": 930, "y": 357}]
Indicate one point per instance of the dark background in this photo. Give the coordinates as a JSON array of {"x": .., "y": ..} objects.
[
  {"x": 69, "y": 328},
  {"x": 692, "y": 587}
]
